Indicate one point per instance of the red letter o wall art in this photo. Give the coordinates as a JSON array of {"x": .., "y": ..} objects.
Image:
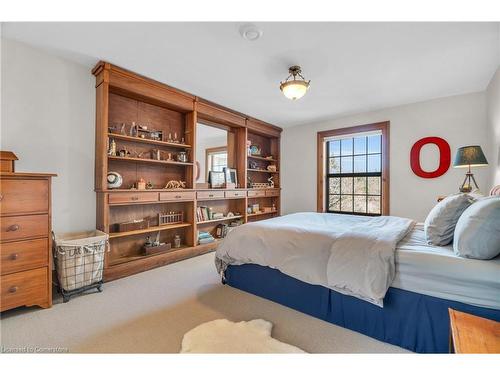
[{"x": 444, "y": 157}]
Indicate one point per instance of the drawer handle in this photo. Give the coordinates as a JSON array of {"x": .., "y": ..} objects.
[
  {"x": 134, "y": 198},
  {"x": 210, "y": 195},
  {"x": 13, "y": 228},
  {"x": 178, "y": 196},
  {"x": 13, "y": 289},
  {"x": 14, "y": 256}
]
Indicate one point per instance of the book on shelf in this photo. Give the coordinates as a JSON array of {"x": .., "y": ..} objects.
[
  {"x": 205, "y": 237},
  {"x": 203, "y": 213}
]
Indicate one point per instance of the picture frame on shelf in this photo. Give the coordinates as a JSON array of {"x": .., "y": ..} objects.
[
  {"x": 216, "y": 179},
  {"x": 231, "y": 176}
]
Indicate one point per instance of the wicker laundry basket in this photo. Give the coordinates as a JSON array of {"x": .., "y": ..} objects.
[{"x": 79, "y": 260}]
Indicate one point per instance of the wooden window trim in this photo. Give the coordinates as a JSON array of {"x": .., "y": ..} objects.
[
  {"x": 381, "y": 126},
  {"x": 209, "y": 151}
]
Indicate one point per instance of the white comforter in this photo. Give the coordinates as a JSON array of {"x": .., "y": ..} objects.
[{"x": 355, "y": 253}]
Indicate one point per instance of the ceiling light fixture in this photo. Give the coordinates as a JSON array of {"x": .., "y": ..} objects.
[{"x": 292, "y": 87}]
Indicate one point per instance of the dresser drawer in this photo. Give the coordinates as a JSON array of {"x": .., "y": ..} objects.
[
  {"x": 235, "y": 194},
  {"x": 256, "y": 193},
  {"x": 209, "y": 194},
  {"x": 24, "y": 196},
  {"x": 116, "y": 198},
  {"x": 272, "y": 193},
  {"x": 24, "y": 288},
  {"x": 177, "y": 195},
  {"x": 24, "y": 255},
  {"x": 20, "y": 227}
]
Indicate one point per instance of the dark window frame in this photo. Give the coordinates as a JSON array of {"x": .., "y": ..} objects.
[
  {"x": 352, "y": 175},
  {"x": 322, "y": 159}
]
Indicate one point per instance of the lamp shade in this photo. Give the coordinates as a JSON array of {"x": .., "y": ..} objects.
[{"x": 471, "y": 156}]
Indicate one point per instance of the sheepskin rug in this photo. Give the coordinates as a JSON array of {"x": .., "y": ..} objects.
[{"x": 224, "y": 336}]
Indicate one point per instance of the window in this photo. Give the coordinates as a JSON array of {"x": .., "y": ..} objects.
[
  {"x": 354, "y": 170},
  {"x": 216, "y": 159}
]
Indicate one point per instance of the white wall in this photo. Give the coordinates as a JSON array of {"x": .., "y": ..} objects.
[
  {"x": 493, "y": 105},
  {"x": 461, "y": 120},
  {"x": 48, "y": 120}
]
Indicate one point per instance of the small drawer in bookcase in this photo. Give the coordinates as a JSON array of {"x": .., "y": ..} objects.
[
  {"x": 272, "y": 193},
  {"x": 120, "y": 198},
  {"x": 210, "y": 194},
  {"x": 256, "y": 193},
  {"x": 177, "y": 196},
  {"x": 235, "y": 194}
]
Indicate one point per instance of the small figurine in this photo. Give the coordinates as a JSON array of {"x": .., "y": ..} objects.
[
  {"x": 271, "y": 168},
  {"x": 170, "y": 137},
  {"x": 271, "y": 182},
  {"x": 149, "y": 185},
  {"x": 177, "y": 241},
  {"x": 172, "y": 184},
  {"x": 182, "y": 140},
  {"x": 170, "y": 157},
  {"x": 133, "y": 130},
  {"x": 141, "y": 184},
  {"x": 175, "y": 138},
  {"x": 112, "y": 148}
]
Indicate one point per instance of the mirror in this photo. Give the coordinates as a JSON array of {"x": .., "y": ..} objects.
[{"x": 211, "y": 154}]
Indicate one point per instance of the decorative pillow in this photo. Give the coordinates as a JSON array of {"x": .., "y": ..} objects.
[
  {"x": 477, "y": 234},
  {"x": 440, "y": 223}
]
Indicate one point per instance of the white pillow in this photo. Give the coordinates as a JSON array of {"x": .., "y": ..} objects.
[
  {"x": 440, "y": 223},
  {"x": 477, "y": 234}
]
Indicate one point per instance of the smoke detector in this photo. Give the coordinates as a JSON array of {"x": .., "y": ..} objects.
[{"x": 250, "y": 32}]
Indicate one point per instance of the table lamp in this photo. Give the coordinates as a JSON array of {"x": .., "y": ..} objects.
[{"x": 467, "y": 157}]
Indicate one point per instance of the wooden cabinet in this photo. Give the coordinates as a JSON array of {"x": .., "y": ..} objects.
[
  {"x": 123, "y": 97},
  {"x": 25, "y": 243}
]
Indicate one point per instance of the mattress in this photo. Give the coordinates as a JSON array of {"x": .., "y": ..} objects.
[{"x": 436, "y": 271}]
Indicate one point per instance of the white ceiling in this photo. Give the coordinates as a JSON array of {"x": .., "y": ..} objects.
[{"x": 353, "y": 67}]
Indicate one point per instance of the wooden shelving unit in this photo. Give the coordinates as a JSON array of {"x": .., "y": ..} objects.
[
  {"x": 148, "y": 141},
  {"x": 144, "y": 160},
  {"x": 220, "y": 220},
  {"x": 263, "y": 213},
  {"x": 123, "y": 97},
  {"x": 262, "y": 171},
  {"x": 156, "y": 228}
]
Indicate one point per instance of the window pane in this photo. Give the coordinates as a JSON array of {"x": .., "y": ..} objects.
[
  {"x": 346, "y": 164},
  {"x": 346, "y": 203},
  {"x": 359, "y": 185},
  {"x": 334, "y": 185},
  {"x": 360, "y": 164},
  {"x": 360, "y": 204},
  {"x": 374, "y": 185},
  {"x": 375, "y": 144},
  {"x": 334, "y": 203},
  {"x": 373, "y": 205},
  {"x": 334, "y": 148},
  {"x": 359, "y": 145},
  {"x": 334, "y": 165},
  {"x": 346, "y": 185},
  {"x": 346, "y": 145},
  {"x": 374, "y": 163}
]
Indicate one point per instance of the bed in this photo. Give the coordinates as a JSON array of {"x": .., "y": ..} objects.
[{"x": 288, "y": 260}]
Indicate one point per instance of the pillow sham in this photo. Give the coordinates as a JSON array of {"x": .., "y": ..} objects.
[
  {"x": 439, "y": 225},
  {"x": 477, "y": 233}
]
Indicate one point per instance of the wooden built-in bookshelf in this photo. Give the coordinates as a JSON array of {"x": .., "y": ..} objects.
[{"x": 123, "y": 97}]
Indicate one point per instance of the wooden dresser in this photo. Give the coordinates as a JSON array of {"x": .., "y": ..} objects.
[{"x": 25, "y": 240}]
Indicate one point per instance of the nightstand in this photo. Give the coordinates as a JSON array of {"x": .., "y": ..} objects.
[{"x": 472, "y": 334}]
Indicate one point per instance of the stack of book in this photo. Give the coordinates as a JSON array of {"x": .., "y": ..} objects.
[
  {"x": 203, "y": 213},
  {"x": 205, "y": 237}
]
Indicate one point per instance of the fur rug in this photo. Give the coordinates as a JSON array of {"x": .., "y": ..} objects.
[{"x": 223, "y": 336}]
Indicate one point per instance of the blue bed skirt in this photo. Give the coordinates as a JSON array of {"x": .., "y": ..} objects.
[{"x": 410, "y": 320}]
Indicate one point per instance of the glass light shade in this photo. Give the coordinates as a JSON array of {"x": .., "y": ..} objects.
[{"x": 294, "y": 89}]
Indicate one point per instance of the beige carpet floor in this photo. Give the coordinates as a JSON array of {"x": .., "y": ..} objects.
[{"x": 151, "y": 311}]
